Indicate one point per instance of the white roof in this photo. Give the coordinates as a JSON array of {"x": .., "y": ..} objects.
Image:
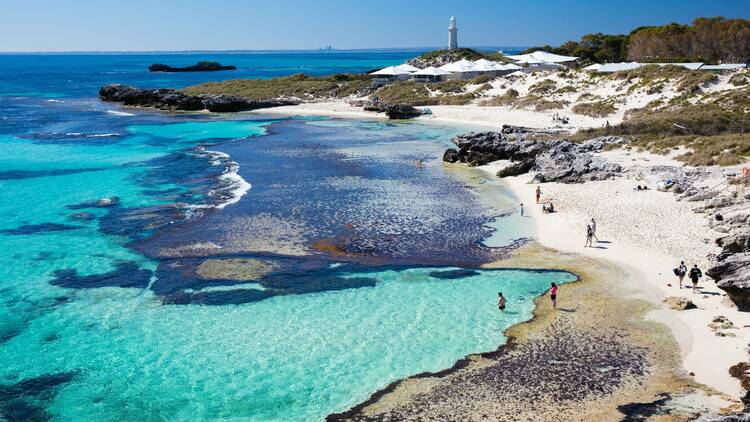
[
  {"x": 431, "y": 71},
  {"x": 616, "y": 67},
  {"x": 538, "y": 57},
  {"x": 390, "y": 70},
  {"x": 458, "y": 67},
  {"x": 487, "y": 66},
  {"x": 509, "y": 66},
  {"x": 516, "y": 73},
  {"x": 592, "y": 67},
  {"x": 727, "y": 66},
  {"x": 483, "y": 62},
  {"x": 407, "y": 67}
]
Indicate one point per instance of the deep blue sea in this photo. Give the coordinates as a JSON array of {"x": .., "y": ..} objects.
[{"x": 187, "y": 266}]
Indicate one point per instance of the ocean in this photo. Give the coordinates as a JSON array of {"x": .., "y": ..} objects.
[{"x": 186, "y": 266}]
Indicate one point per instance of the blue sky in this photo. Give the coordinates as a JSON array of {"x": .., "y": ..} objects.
[{"x": 138, "y": 25}]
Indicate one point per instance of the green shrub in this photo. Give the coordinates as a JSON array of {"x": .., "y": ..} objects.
[
  {"x": 693, "y": 81},
  {"x": 542, "y": 87},
  {"x": 481, "y": 79},
  {"x": 299, "y": 85},
  {"x": 595, "y": 109},
  {"x": 453, "y": 86},
  {"x": 566, "y": 89},
  {"x": 738, "y": 79}
]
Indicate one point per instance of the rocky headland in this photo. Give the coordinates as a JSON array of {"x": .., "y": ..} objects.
[{"x": 174, "y": 100}]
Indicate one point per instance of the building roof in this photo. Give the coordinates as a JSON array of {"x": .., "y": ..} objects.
[
  {"x": 616, "y": 67},
  {"x": 541, "y": 57},
  {"x": 407, "y": 67},
  {"x": 460, "y": 66},
  {"x": 726, "y": 66},
  {"x": 390, "y": 71},
  {"x": 592, "y": 67},
  {"x": 431, "y": 71}
]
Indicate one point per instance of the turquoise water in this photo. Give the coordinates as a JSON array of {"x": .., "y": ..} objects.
[{"x": 100, "y": 318}]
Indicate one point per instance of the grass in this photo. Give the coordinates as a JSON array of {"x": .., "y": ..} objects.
[
  {"x": 594, "y": 109},
  {"x": 566, "y": 89},
  {"x": 716, "y": 130},
  {"x": 739, "y": 79},
  {"x": 418, "y": 94},
  {"x": 545, "y": 86},
  {"x": 693, "y": 81},
  {"x": 481, "y": 79},
  {"x": 300, "y": 86}
]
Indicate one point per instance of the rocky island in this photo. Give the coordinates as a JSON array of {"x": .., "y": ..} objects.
[{"x": 204, "y": 66}]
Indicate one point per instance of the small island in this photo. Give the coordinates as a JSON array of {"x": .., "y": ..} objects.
[{"x": 204, "y": 66}]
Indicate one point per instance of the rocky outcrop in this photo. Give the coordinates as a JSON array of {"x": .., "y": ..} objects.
[
  {"x": 171, "y": 99},
  {"x": 400, "y": 111},
  {"x": 554, "y": 161},
  {"x": 198, "y": 67},
  {"x": 679, "y": 303}
]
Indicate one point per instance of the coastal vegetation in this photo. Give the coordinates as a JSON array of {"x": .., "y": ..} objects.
[
  {"x": 298, "y": 86},
  {"x": 711, "y": 40},
  {"x": 594, "y": 109},
  {"x": 419, "y": 94},
  {"x": 715, "y": 130}
]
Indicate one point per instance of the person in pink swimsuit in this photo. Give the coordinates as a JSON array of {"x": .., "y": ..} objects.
[{"x": 553, "y": 295}]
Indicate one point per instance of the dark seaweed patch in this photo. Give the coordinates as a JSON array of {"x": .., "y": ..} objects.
[
  {"x": 223, "y": 297},
  {"x": 23, "y": 401},
  {"x": 39, "y": 228},
  {"x": 126, "y": 274},
  {"x": 82, "y": 216},
  {"x": 97, "y": 203},
  {"x": 453, "y": 274},
  {"x": 30, "y": 174}
]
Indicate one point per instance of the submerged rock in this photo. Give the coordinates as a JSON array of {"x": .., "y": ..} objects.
[{"x": 171, "y": 99}]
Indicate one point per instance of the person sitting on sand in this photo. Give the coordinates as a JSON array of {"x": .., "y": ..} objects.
[
  {"x": 695, "y": 274},
  {"x": 680, "y": 272},
  {"x": 551, "y": 208},
  {"x": 501, "y": 302},
  {"x": 538, "y": 194},
  {"x": 589, "y": 236},
  {"x": 553, "y": 295}
]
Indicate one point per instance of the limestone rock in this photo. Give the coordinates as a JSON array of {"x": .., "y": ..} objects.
[{"x": 679, "y": 303}]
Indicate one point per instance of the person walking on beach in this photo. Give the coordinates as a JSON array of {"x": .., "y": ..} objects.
[
  {"x": 589, "y": 236},
  {"x": 593, "y": 229},
  {"x": 538, "y": 194},
  {"x": 680, "y": 272},
  {"x": 553, "y": 295},
  {"x": 501, "y": 302},
  {"x": 695, "y": 274},
  {"x": 521, "y": 209}
]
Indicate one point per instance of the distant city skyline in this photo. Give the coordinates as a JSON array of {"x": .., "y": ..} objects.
[{"x": 190, "y": 25}]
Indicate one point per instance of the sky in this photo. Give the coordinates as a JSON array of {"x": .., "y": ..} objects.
[{"x": 160, "y": 25}]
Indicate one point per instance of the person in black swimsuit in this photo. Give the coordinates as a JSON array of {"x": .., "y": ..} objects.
[{"x": 501, "y": 302}]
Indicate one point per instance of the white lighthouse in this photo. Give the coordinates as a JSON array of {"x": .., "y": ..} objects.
[{"x": 452, "y": 34}]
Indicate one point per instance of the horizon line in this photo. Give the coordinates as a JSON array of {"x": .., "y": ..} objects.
[{"x": 283, "y": 50}]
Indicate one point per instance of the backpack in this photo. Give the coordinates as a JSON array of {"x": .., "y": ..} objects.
[{"x": 676, "y": 271}]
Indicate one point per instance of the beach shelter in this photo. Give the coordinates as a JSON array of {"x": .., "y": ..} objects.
[
  {"x": 459, "y": 70},
  {"x": 407, "y": 68},
  {"x": 482, "y": 67},
  {"x": 541, "y": 57},
  {"x": 430, "y": 74},
  {"x": 389, "y": 74},
  {"x": 592, "y": 68}
]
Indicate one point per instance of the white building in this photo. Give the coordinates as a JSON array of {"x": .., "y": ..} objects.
[{"x": 452, "y": 34}]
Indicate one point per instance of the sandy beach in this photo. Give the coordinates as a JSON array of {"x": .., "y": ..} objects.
[{"x": 646, "y": 234}]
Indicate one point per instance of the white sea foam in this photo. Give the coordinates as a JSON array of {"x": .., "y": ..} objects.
[
  {"x": 120, "y": 113},
  {"x": 55, "y": 101},
  {"x": 237, "y": 185},
  {"x": 102, "y": 135}
]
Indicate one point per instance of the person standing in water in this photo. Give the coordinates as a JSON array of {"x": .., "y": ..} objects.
[
  {"x": 589, "y": 236},
  {"x": 695, "y": 274},
  {"x": 593, "y": 229},
  {"x": 553, "y": 295},
  {"x": 521, "y": 209},
  {"x": 538, "y": 194},
  {"x": 501, "y": 302}
]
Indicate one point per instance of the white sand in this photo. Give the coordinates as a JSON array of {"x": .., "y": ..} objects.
[{"x": 647, "y": 234}]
